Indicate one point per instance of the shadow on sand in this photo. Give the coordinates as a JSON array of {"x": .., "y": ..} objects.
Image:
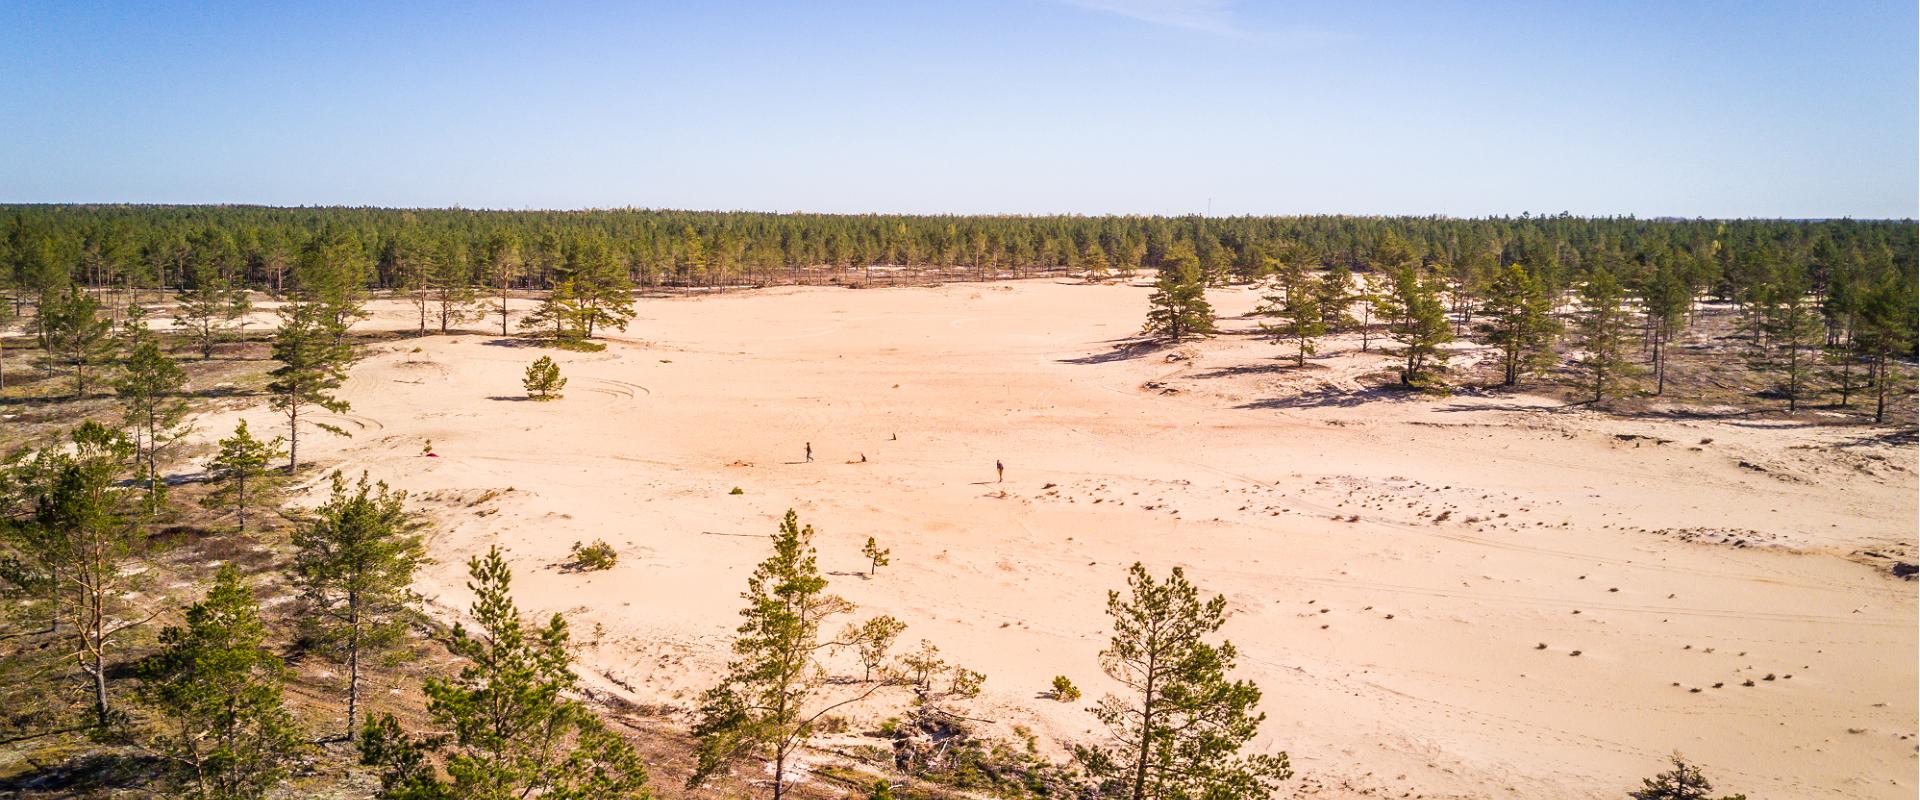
[{"x": 1121, "y": 350}]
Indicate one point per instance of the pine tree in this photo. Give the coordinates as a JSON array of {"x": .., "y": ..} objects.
[
  {"x": 602, "y": 286},
  {"x": 73, "y": 544},
  {"x": 500, "y": 258},
  {"x": 313, "y": 363},
  {"x": 1793, "y": 327},
  {"x": 874, "y": 639},
  {"x": 331, "y": 274},
  {"x": 1178, "y": 733},
  {"x": 241, "y": 466},
  {"x": 1178, "y": 307},
  {"x": 206, "y": 309},
  {"x": 1375, "y": 293},
  {"x": 765, "y": 705},
  {"x": 234, "y": 314},
  {"x": 1418, "y": 320},
  {"x": 73, "y": 333},
  {"x": 1094, "y": 263},
  {"x": 1334, "y": 294},
  {"x": 1298, "y": 309},
  {"x": 148, "y": 389},
  {"x": 1886, "y": 327},
  {"x": 876, "y": 557},
  {"x": 7, "y": 316},
  {"x": 451, "y": 279},
  {"x": 405, "y": 260},
  {"x": 511, "y": 727},
  {"x": 1841, "y": 307},
  {"x": 559, "y": 309},
  {"x": 217, "y": 685},
  {"x": 1602, "y": 327},
  {"x": 1683, "y": 782},
  {"x": 1518, "y": 321},
  {"x": 1667, "y": 298},
  {"x": 354, "y": 563},
  {"x": 543, "y": 381}
]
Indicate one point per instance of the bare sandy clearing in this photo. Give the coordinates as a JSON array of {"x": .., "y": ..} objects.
[{"x": 1398, "y": 650}]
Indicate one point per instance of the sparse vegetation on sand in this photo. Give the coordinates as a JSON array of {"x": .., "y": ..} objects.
[{"x": 1600, "y": 397}]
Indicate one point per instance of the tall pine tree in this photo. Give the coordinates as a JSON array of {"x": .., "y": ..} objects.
[
  {"x": 354, "y": 563},
  {"x": 217, "y": 686},
  {"x": 1178, "y": 732}
]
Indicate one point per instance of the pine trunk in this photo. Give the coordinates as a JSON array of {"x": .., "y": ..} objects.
[{"x": 353, "y": 662}]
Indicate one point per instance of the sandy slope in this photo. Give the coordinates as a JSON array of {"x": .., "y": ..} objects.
[{"x": 1398, "y": 651}]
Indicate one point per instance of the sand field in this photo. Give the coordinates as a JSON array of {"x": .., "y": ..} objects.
[{"x": 1394, "y": 565}]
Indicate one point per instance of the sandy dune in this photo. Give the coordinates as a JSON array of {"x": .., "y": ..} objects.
[{"x": 1398, "y": 650}]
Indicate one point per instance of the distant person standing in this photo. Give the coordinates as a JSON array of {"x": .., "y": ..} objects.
[
  {"x": 809, "y": 452},
  {"x": 1000, "y": 469}
]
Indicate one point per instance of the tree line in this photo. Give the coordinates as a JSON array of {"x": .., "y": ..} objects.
[
  {"x": 437, "y": 252},
  {"x": 1826, "y": 319}
]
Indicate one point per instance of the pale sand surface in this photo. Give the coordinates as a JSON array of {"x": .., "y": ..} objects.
[{"x": 1422, "y": 674}]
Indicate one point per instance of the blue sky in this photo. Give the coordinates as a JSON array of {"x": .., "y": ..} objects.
[{"x": 1017, "y": 106}]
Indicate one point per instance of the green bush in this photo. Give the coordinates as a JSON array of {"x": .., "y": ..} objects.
[
  {"x": 593, "y": 557},
  {"x": 543, "y": 381},
  {"x": 1064, "y": 690}
]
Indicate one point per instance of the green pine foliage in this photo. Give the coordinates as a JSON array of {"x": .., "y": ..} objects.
[
  {"x": 592, "y": 557},
  {"x": 1297, "y": 308},
  {"x": 1517, "y": 318},
  {"x": 313, "y": 363},
  {"x": 1795, "y": 332},
  {"x": 873, "y": 641},
  {"x": 1683, "y": 782},
  {"x": 1178, "y": 308},
  {"x": 216, "y": 685},
  {"x": 241, "y": 468},
  {"x": 1417, "y": 320},
  {"x": 1335, "y": 296},
  {"x": 876, "y": 556},
  {"x": 1666, "y": 300},
  {"x": 71, "y": 547},
  {"x": 354, "y": 562},
  {"x": 1887, "y": 326},
  {"x": 1177, "y": 732},
  {"x": 332, "y": 274},
  {"x": 148, "y": 389},
  {"x": 1602, "y": 328},
  {"x": 770, "y": 702},
  {"x": 543, "y": 381},
  {"x": 74, "y": 335},
  {"x": 507, "y": 724},
  {"x": 207, "y": 309}
]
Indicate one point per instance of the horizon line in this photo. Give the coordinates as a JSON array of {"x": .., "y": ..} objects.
[{"x": 988, "y": 214}]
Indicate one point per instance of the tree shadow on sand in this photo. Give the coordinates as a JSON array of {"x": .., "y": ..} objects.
[
  {"x": 1265, "y": 368},
  {"x": 1336, "y": 397},
  {"x": 1122, "y": 350}
]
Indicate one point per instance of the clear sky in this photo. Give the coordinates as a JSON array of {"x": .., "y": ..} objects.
[{"x": 1018, "y": 106}]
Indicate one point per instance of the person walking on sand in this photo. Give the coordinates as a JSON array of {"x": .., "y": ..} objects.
[
  {"x": 1000, "y": 469},
  {"x": 809, "y": 452}
]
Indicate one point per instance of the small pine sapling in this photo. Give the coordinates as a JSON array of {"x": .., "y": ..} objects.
[
  {"x": 543, "y": 381},
  {"x": 876, "y": 557}
]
